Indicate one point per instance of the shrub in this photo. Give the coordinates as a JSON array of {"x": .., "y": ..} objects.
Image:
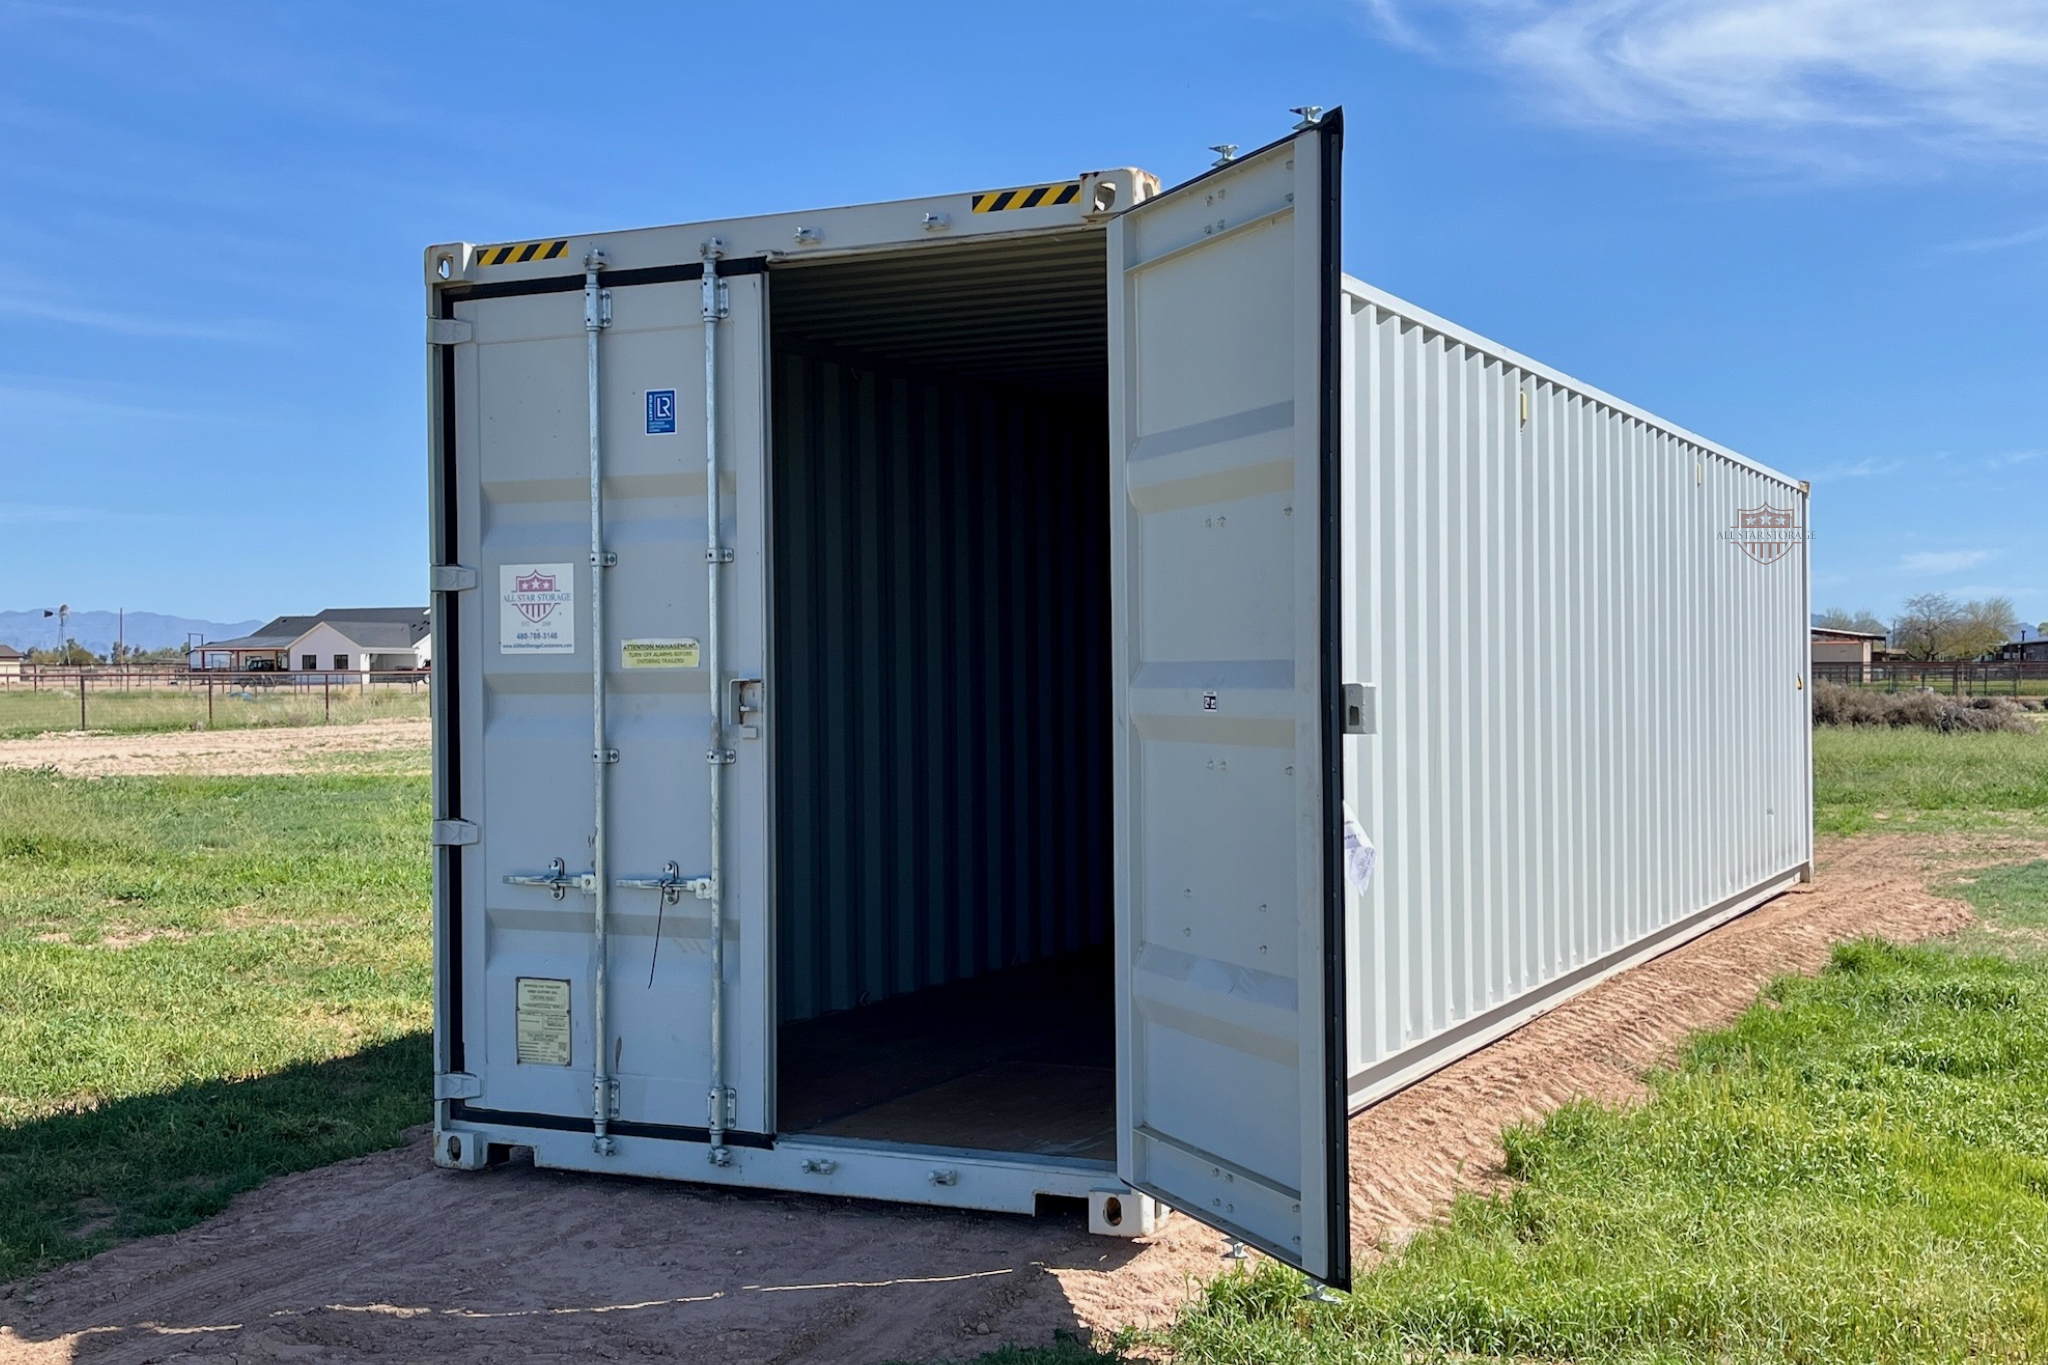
[{"x": 1838, "y": 704}]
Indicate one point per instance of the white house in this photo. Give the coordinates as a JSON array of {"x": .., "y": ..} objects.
[
  {"x": 364, "y": 640},
  {"x": 338, "y": 640}
]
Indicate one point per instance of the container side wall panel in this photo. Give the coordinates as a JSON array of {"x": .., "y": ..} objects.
[{"x": 1592, "y": 731}]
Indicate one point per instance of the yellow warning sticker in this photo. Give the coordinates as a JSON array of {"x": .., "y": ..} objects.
[
  {"x": 543, "y": 1032},
  {"x": 519, "y": 253},
  {"x": 658, "y": 654},
  {"x": 1027, "y": 197}
]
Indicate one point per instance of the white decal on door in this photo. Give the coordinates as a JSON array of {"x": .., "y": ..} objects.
[{"x": 537, "y": 609}]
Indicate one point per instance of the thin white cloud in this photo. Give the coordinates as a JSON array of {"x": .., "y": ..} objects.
[
  {"x": 1943, "y": 561},
  {"x": 44, "y": 307},
  {"x": 29, "y": 398},
  {"x": 1867, "y": 83},
  {"x": 1859, "y": 469},
  {"x": 2024, "y": 237},
  {"x": 2013, "y": 457}
]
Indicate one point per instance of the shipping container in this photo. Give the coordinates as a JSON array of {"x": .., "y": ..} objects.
[{"x": 1057, "y": 692}]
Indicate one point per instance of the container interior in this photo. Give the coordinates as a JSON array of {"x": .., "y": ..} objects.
[{"x": 940, "y": 511}]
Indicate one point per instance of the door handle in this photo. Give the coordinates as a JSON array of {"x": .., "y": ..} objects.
[{"x": 746, "y": 701}]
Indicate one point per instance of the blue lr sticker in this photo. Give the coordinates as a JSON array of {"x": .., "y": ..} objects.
[{"x": 661, "y": 412}]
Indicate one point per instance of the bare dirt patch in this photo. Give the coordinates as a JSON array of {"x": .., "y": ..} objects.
[
  {"x": 387, "y": 1256},
  {"x": 284, "y": 749}
]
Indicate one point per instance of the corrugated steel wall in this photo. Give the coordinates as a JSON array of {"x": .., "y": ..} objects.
[
  {"x": 940, "y": 679},
  {"x": 1591, "y": 723}
]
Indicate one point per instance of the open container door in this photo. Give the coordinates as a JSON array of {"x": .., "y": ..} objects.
[{"x": 1229, "y": 909}]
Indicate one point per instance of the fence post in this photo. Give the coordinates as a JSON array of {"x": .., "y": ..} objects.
[
  {"x": 327, "y": 698},
  {"x": 81, "y": 699},
  {"x": 209, "y": 703}
]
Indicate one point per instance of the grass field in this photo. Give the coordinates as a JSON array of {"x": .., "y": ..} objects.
[
  {"x": 1857, "y": 1170},
  {"x": 1924, "y": 781},
  {"x": 24, "y": 711},
  {"x": 208, "y": 981},
  {"x": 203, "y": 982}
]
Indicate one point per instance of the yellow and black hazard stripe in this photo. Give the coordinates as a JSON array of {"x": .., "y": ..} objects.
[
  {"x": 1027, "y": 197},
  {"x": 519, "y": 253}
]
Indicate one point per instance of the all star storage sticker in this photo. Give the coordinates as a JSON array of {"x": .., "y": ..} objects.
[{"x": 537, "y": 609}]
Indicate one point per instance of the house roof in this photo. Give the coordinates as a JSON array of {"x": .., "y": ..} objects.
[
  {"x": 376, "y": 628},
  {"x": 1850, "y": 634},
  {"x": 9, "y": 652}
]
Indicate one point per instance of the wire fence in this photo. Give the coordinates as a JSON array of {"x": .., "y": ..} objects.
[
  {"x": 1978, "y": 679},
  {"x": 42, "y": 699}
]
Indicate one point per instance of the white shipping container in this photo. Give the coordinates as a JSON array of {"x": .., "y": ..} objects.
[{"x": 1057, "y": 692}]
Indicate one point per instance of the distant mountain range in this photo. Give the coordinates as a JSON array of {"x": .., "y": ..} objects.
[{"x": 97, "y": 630}]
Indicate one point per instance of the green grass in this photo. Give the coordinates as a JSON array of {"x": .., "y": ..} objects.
[
  {"x": 1856, "y": 1170},
  {"x": 1925, "y": 781},
  {"x": 25, "y": 711},
  {"x": 203, "y": 982}
]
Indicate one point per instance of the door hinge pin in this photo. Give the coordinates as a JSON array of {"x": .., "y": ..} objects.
[
  {"x": 454, "y": 833},
  {"x": 452, "y": 578}
]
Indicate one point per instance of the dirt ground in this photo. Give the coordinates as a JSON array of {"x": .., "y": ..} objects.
[
  {"x": 280, "y": 749},
  {"x": 389, "y": 1257}
]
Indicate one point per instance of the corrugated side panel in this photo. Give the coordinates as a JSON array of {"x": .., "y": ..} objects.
[
  {"x": 1592, "y": 728},
  {"x": 939, "y": 680}
]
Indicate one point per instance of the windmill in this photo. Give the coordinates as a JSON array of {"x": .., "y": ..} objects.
[{"x": 63, "y": 615}]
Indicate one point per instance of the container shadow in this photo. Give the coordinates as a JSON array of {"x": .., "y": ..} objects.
[{"x": 75, "y": 1183}]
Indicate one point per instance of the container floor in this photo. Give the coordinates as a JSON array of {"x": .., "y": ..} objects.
[{"x": 1021, "y": 1061}]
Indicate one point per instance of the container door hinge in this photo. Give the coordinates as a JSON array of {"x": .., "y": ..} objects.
[
  {"x": 1361, "y": 709},
  {"x": 732, "y": 1108},
  {"x": 457, "y": 1085},
  {"x": 454, "y": 833},
  {"x": 449, "y": 331},
  {"x": 452, "y": 578}
]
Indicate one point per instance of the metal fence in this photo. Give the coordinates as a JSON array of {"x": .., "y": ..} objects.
[
  {"x": 1962, "y": 679},
  {"x": 151, "y": 698}
]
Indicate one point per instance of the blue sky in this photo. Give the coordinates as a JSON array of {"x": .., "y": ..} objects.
[{"x": 1815, "y": 232}]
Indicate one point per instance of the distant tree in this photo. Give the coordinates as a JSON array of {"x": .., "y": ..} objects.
[
  {"x": 1985, "y": 627},
  {"x": 1934, "y": 625},
  {"x": 1923, "y": 627},
  {"x": 169, "y": 654},
  {"x": 72, "y": 655},
  {"x": 1836, "y": 618}
]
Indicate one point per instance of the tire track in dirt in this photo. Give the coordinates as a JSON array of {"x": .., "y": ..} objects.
[{"x": 386, "y": 1256}]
